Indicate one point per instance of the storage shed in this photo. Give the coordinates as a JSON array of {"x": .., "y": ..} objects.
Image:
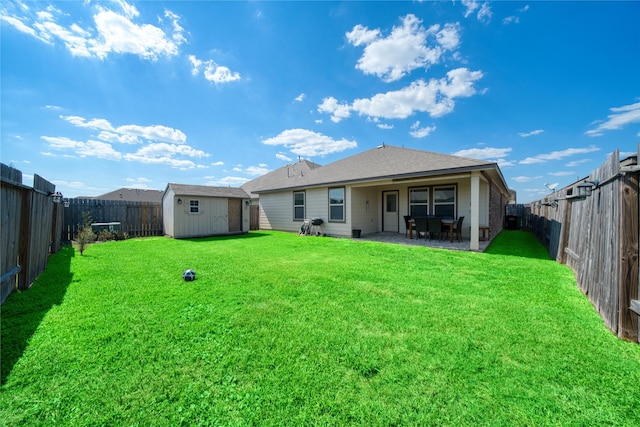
[{"x": 200, "y": 210}]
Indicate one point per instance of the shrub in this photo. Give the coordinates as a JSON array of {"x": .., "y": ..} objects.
[{"x": 85, "y": 236}]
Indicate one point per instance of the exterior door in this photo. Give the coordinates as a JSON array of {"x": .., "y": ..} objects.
[{"x": 390, "y": 214}]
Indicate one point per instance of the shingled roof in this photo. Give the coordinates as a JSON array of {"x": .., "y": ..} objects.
[
  {"x": 207, "y": 191},
  {"x": 281, "y": 177},
  {"x": 385, "y": 162},
  {"x": 133, "y": 195}
]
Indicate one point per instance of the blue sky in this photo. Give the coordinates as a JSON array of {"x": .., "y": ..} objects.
[{"x": 101, "y": 95}]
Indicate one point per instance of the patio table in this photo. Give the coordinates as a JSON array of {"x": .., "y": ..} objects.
[{"x": 450, "y": 223}]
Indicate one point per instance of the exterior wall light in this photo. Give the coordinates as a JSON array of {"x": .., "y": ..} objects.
[
  {"x": 66, "y": 203},
  {"x": 586, "y": 188},
  {"x": 179, "y": 201},
  {"x": 56, "y": 197},
  {"x": 247, "y": 202}
]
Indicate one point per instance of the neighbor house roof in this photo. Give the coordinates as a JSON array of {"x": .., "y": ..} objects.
[
  {"x": 133, "y": 195},
  {"x": 283, "y": 176},
  {"x": 385, "y": 162},
  {"x": 207, "y": 191}
]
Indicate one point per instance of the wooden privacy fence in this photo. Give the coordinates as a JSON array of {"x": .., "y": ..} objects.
[
  {"x": 597, "y": 237},
  {"x": 31, "y": 225},
  {"x": 138, "y": 219}
]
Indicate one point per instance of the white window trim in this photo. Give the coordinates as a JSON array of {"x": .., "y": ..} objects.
[
  {"x": 455, "y": 199},
  {"x": 304, "y": 205},
  {"x": 343, "y": 204},
  {"x": 196, "y": 205}
]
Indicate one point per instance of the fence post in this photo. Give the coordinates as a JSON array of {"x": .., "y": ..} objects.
[
  {"x": 628, "y": 320},
  {"x": 25, "y": 239}
]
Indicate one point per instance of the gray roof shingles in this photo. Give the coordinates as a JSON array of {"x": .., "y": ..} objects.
[
  {"x": 207, "y": 191},
  {"x": 384, "y": 162}
]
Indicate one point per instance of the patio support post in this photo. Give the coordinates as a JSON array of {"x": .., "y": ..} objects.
[{"x": 474, "y": 240}]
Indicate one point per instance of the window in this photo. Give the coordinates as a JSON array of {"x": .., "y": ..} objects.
[
  {"x": 444, "y": 202},
  {"x": 336, "y": 204},
  {"x": 418, "y": 202},
  {"x": 194, "y": 206},
  {"x": 298, "y": 206}
]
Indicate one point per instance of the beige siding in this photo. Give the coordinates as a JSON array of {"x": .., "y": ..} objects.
[
  {"x": 366, "y": 210},
  {"x": 211, "y": 219},
  {"x": 168, "y": 208},
  {"x": 276, "y": 209}
]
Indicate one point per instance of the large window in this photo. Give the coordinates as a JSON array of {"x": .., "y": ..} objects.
[
  {"x": 336, "y": 204},
  {"x": 418, "y": 202},
  {"x": 194, "y": 206},
  {"x": 444, "y": 201},
  {"x": 298, "y": 205}
]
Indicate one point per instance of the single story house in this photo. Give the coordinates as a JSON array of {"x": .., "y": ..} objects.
[
  {"x": 199, "y": 210},
  {"x": 372, "y": 191}
]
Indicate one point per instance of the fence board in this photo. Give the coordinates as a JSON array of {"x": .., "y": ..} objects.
[
  {"x": 138, "y": 219},
  {"x": 28, "y": 233},
  {"x": 598, "y": 238}
]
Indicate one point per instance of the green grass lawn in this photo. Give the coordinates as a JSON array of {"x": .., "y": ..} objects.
[{"x": 286, "y": 330}]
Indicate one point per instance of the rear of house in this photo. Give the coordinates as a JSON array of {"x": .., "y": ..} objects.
[
  {"x": 372, "y": 191},
  {"x": 199, "y": 211}
]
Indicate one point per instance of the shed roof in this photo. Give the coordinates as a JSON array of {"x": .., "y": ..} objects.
[
  {"x": 385, "y": 162},
  {"x": 207, "y": 191}
]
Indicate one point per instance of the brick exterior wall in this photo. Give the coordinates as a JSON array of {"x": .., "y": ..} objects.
[{"x": 497, "y": 203}]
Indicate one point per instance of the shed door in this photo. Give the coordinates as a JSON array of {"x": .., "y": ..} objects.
[
  {"x": 390, "y": 211},
  {"x": 235, "y": 215}
]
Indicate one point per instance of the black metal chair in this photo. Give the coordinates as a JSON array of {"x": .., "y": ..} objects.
[
  {"x": 434, "y": 227},
  {"x": 421, "y": 227}
]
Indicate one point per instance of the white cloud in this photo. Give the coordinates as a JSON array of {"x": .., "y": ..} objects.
[
  {"x": 561, "y": 173},
  {"x": 384, "y": 126},
  {"x": 522, "y": 179},
  {"x": 219, "y": 73},
  {"x": 484, "y": 153},
  {"x": 338, "y": 111},
  {"x": 405, "y": 49},
  {"x": 621, "y": 117},
  {"x": 256, "y": 170},
  {"x": 89, "y": 148},
  {"x": 484, "y": 11},
  {"x": 195, "y": 65},
  {"x": 128, "y": 134},
  {"x": 212, "y": 71},
  {"x": 471, "y": 6},
  {"x": 218, "y": 163},
  {"x": 229, "y": 181},
  {"x": 435, "y": 97},
  {"x": 532, "y": 133},
  {"x": 511, "y": 20},
  {"x": 300, "y": 97},
  {"x": 113, "y": 33},
  {"x": 308, "y": 143},
  {"x": 283, "y": 157},
  {"x": 162, "y": 149},
  {"x": 162, "y": 145},
  {"x": 420, "y": 132},
  {"x": 558, "y": 155},
  {"x": 575, "y": 163}
]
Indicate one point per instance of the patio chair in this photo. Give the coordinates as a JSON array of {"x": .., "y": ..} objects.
[
  {"x": 421, "y": 227},
  {"x": 407, "y": 225},
  {"x": 457, "y": 228},
  {"x": 435, "y": 227}
]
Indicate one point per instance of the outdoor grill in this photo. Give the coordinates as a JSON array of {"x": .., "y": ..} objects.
[{"x": 316, "y": 221}]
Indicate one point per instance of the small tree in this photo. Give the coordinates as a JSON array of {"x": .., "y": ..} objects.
[{"x": 86, "y": 234}]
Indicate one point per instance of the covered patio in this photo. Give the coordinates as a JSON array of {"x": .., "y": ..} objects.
[{"x": 400, "y": 239}]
